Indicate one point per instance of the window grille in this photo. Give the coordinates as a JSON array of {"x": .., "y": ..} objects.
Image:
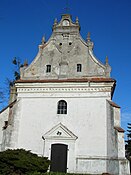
[{"x": 62, "y": 107}]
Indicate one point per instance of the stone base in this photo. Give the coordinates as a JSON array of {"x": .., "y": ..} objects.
[{"x": 102, "y": 166}]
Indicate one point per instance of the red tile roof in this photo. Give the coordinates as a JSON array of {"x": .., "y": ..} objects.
[
  {"x": 119, "y": 129},
  {"x": 113, "y": 104}
]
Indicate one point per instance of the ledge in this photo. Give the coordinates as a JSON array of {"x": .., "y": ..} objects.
[
  {"x": 119, "y": 129},
  {"x": 99, "y": 80}
]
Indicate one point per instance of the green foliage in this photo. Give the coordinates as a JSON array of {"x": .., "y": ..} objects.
[
  {"x": 36, "y": 173},
  {"x": 17, "y": 64},
  {"x": 1, "y": 96},
  {"x": 128, "y": 141},
  {"x": 59, "y": 173},
  {"x": 14, "y": 61},
  {"x": 21, "y": 162},
  {"x": 17, "y": 75}
]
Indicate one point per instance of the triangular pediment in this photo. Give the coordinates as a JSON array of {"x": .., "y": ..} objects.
[{"x": 60, "y": 132}]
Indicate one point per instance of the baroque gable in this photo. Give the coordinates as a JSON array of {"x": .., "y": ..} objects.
[{"x": 65, "y": 55}]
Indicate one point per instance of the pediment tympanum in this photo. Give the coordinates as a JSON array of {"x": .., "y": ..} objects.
[{"x": 60, "y": 132}]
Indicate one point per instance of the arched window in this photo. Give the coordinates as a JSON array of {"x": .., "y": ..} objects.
[
  {"x": 79, "y": 67},
  {"x": 48, "y": 68},
  {"x": 62, "y": 107}
]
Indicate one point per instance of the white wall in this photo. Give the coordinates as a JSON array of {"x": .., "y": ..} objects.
[
  {"x": 85, "y": 118},
  {"x": 88, "y": 118},
  {"x": 3, "y": 117}
]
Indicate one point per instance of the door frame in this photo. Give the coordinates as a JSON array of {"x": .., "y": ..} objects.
[{"x": 66, "y": 137}]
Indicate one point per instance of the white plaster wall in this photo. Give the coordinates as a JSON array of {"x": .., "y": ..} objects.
[
  {"x": 124, "y": 167},
  {"x": 3, "y": 117},
  {"x": 116, "y": 116},
  {"x": 121, "y": 145},
  {"x": 112, "y": 141},
  {"x": 86, "y": 118},
  {"x": 12, "y": 130},
  {"x": 92, "y": 166}
]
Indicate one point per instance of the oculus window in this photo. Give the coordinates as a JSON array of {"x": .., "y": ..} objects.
[
  {"x": 62, "y": 107},
  {"x": 48, "y": 68},
  {"x": 79, "y": 67}
]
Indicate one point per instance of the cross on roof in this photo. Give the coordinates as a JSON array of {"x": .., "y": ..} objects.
[{"x": 67, "y": 7}]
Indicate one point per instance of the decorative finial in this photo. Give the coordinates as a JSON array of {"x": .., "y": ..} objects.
[
  {"x": 88, "y": 37},
  {"x": 67, "y": 7},
  {"x": 43, "y": 40},
  {"x": 25, "y": 63},
  {"x": 77, "y": 20},
  {"x": 55, "y": 21},
  {"x": 108, "y": 68},
  {"x": 90, "y": 44}
]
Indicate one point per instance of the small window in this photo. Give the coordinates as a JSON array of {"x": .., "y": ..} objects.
[
  {"x": 79, "y": 67},
  {"x": 62, "y": 107},
  {"x": 5, "y": 125},
  {"x": 48, "y": 68}
]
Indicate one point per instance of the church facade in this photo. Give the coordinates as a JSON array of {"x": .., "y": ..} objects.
[{"x": 62, "y": 108}]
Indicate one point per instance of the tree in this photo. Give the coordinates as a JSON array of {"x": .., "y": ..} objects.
[
  {"x": 128, "y": 145},
  {"x": 128, "y": 141},
  {"x": 22, "y": 162},
  {"x": 17, "y": 63},
  {"x": 1, "y": 96},
  {"x": 5, "y": 92}
]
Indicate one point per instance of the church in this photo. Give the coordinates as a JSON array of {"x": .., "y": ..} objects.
[{"x": 62, "y": 108}]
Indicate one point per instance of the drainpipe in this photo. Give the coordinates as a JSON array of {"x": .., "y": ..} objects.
[{"x": 43, "y": 145}]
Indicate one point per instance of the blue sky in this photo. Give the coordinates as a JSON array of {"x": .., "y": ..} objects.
[{"x": 24, "y": 22}]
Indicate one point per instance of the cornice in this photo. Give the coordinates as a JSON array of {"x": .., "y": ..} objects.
[
  {"x": 62, "y": 89},
  {"x": 98, "y": 80}
]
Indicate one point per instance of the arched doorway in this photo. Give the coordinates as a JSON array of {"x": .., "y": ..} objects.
[{"x": 59, "y": 158}]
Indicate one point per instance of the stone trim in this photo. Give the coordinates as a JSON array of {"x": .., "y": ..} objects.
[
  {"x": 59, "y": 132},
  {"x": 99, "y": 158},
  {"x": 67, "y": 80},
  {"x": 59, "y": 90}
]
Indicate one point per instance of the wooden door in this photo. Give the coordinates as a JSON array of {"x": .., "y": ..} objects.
[{"x": 59, "y": 158}]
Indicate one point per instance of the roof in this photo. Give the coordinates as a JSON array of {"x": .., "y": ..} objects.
[
  {"x": 10, "y": 105},
  {"x": 119, "y": 129},
  {"x": 113, "y": 104},
  {"x": 99, "y": 80}
]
